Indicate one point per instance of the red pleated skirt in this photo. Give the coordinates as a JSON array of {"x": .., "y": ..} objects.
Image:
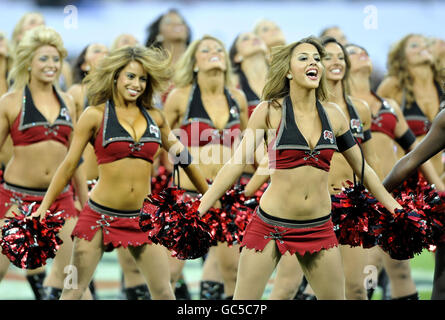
[
  {"x": 118, "y": 228},
  {"x": 17, "y": 195},
  {"x": 294, "y": 236}
]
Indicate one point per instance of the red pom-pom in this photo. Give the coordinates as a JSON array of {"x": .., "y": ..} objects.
[
  {"x": 29, "y": 243},
  {"x": 405, "y": 234},
  {"x": 175, "y": 224},
  {"x": 161, "y": 180},
  {"x": 355, "y": 217},
  {"x": 228, "y": 223}
]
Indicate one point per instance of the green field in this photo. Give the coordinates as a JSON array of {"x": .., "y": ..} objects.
[{"x": 108, "y": 279}]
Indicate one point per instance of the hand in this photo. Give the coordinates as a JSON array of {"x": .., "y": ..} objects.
[{"x": 40, "y": 212}]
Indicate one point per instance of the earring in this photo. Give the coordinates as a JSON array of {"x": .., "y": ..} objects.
[
  {"x": 159, "y": 38},
  {"x": 196, "y": 69},
  {"x": 115, "y": 81},
  {"x": 289, "y": 76},
  {"x": 29, "y": 68},
  {"x": 87, "y": 68},
  {"x": 240, "y": 59}
]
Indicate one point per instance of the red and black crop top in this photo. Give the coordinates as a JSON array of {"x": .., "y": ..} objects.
[
  {"x": 31, "y": 126},
  {"x": 197, "y": 129},
  {"x": 355, "y": 123},
  {"x": 113, "y": 142},
  {"x": 252, "y": 99},
  {"x": 416, "y": 119},
  {"x": 386, "y": 119},
  {"x": 289, "y": 149}
]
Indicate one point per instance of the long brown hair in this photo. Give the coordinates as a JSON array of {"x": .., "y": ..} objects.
[{"x": 155, "y": 62}]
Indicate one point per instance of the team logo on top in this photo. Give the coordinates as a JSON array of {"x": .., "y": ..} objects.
[
  {"x": 234, "y": 112},
  {"x": 154, "y": 130},
  {"x": 356, "y": 125},
  {"x": 328, "y": 135},
  {"x": 64, "y": 113}
]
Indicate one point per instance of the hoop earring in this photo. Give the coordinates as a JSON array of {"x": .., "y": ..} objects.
[{"x": 289, "y": 76}]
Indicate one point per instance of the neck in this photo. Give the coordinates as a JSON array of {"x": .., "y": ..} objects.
[
  {"x": 40, "y": 87},
  {"x": 211, "y": 81},
  {"x": 335, "y": 91},
  {"x": 422, "y": 74},
  {"x": 359, "y": 83},
  {"x": 176, "y": 49},
  {"x": 303, "y": 99},
  {"x": 255, "y": 66}
]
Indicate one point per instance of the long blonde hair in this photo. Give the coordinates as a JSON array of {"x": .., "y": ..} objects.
[
  {"x": 184, "y": 74},
  {"x": 9, "y": 53},
  {"x": 18, "y": 29},
  {"x": 398, "y": 68},
  {"x": 277, "y": 84},
  {"x": 24, "y": 53},
  {"x": 100, "y": 81}
]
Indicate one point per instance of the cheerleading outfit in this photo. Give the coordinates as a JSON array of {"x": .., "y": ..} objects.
[
  {"x": 252, "y": 98},
  {"x": 199, "y": 130},
  {"x": 112, "y": 143},
  {"x": 31, "y": 127},
  {"x": 385, "y": 121},
  {"x": 416, "y": 119},
  {"x": 287, "y": 150}
]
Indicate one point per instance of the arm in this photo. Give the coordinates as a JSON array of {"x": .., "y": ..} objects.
[
  {"x": 259, "y": 178},
  {"x": 172, "y": 145},
  {"x": 389, "y": 88},
  {"x": 243, "y": 154},
  {"x": 433, "y": 142},
  {"x": 353, "y": 156},
  {"x": 242, "y": 102},
  {"x": 402, "y": 131},
  {"x": 4, "y": 122},
  {"x": 85, "y": 129}
]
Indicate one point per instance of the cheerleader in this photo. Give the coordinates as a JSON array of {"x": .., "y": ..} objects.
[
  {"x": 126, "y": 131},
  {"x": 40, "y": 121},
  {"x": 388, "y": 127},
  {"x": 433, "y": 143},
  {"x": 301, "y": 136},
  {"x": 209, "y": 114}
]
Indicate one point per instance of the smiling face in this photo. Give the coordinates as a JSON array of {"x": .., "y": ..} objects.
[
  {"x": 306, "y": 68},
  {"x": 173, "y": 28},
  {"x": 45, "y": 64},
  {"x": 249, "y": 44},
  {"x": 210, "y": 55},
  {"x": 334, "y": 62},
  {"x": 359, "y": 59},
  {"x": 416, "y": 51},
  {"x": 270, "y": 33},
  {"x": 93, "y": 55},
  {"x": 131, "y": 82}
]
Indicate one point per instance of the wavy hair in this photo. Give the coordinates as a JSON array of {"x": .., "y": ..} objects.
[
  {"x": 18, "y": 29},
  {"x": 184, "y": 74},
  {"x": 155, "y": 62},
  {"x": 24, "y": 53},
  {"x": 398, "y": 68}
]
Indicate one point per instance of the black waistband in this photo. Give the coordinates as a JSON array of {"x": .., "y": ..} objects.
[
  {"x": 26, "y": 190},
  {"x": 288, "y": 223},
  {"x": 112, "y": 212}
]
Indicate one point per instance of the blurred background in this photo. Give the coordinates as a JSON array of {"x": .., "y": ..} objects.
[{"x": 374, "y": 25}]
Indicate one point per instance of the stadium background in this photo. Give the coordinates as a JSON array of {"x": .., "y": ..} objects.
[{"x": 373, "y": 24}]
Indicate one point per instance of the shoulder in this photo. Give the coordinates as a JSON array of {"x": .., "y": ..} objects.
[
  {"x": 361, "y": 106},
  {"x": 238, "y": 95},
  {"x": 336, "y": 117},
  {"x": 158, "y": 116},
  {"x": 178, "y": 94},
  {"x": 389, "y": 85},
  {"x": 10, "y": 102},
  {"x": 267, "y": 114},
  {"x": 75, "y": 90},
  {"x": 93, "y": 113}
]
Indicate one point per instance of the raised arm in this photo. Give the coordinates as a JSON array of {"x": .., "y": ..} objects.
[
  {"x": 244, "y": 153},
  {"x": 433, "y": 142}
]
